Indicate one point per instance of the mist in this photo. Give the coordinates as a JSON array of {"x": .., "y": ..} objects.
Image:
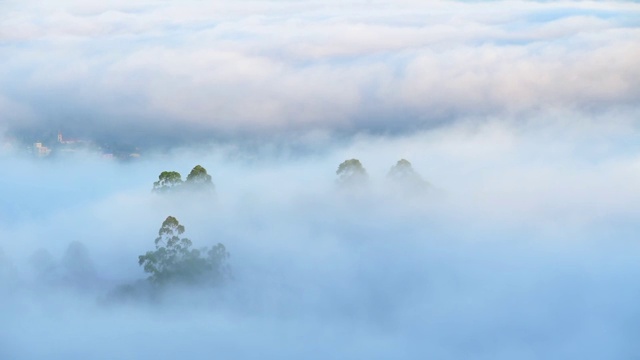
[
  {"x": 492, "y": 214},
  {"x": 523, "y": 246}
]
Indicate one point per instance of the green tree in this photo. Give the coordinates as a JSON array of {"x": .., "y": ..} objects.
[
  {"x": 403, "y": 174},
  {"x": 198, "y": 179},
  {"x": 402, "y": 169},
  {"x": 167, "y": 181},
  {"x": 351, "y": 172},
  {"x": 174, "y": 261}
]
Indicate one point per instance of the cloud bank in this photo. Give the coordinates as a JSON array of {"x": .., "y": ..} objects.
[
  {"x": 523, "y": 117},
  {"x": 524, "y": 248},
  {"x": 170, "y": 73}
]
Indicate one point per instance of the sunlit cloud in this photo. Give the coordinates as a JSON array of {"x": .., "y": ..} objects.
[{"x": 176, "y": 70}]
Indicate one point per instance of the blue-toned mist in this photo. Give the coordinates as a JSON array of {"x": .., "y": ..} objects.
[{"x": 524, "y": 247}]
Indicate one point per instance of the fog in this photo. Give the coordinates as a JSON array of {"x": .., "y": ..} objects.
[
  {"x": 513, "y": 238},
  {"x": 523, "y": 247}
]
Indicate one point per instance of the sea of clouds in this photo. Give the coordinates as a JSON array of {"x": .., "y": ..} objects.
[
  {"x": 522, "y": 116},
  {"x": 164, "y": 73},
  {"x": 524, "y": 247}
]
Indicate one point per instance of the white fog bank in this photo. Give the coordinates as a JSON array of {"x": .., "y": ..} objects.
[{"x": 523, "y": 247}]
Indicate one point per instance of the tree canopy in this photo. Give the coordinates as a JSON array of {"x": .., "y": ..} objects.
[
  {"x": 170, "y": 181},
  {"x": 402, "y": 169},
  {"x": 174, "y": 261},
  {"x": 351, "y": 172},
  {"x": 198, "y": 179},
  {"x": 167, "y": 181},
  {"x": 403, "y": 174}
]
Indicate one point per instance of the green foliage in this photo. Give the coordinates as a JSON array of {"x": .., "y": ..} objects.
[
  {"x": 351, "y": 172},
  {"x": 403, "y": 174},
  {"x": 170, "y": 181},
  {"x": 174, "y": 261},
  {"x": 198, "y": 179},
  {"x": 167, "y": 181}
]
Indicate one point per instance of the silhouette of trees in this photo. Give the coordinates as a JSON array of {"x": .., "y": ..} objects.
[
  {"x": 405, "y": 177},
  {"x": 75, "y": 269},
  {"x": 77, "y": 266}
]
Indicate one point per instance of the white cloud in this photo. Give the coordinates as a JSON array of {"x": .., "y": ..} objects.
[
  {"x": 532, "y": 232},
  {"x": 279, "y": 66},
  {"x": 525, "y": 248}
]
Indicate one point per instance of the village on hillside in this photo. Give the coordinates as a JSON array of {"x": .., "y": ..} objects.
[{"x": 61, "y": 146}]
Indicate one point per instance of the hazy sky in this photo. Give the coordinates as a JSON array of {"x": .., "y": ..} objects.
[{"x": 177, "y": 72}]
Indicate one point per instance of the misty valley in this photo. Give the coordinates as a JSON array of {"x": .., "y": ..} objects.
[
  {"x": 335, "y": 179},
  {"x": 291, "y": 253},
  {"x": 176, "y": 262}
]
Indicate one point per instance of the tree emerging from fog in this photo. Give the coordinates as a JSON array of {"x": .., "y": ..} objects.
[
  {"x": 170, "y": 181},
  {"x": 167, "y": 181},
  {"x": 174, "y": 261},
  {"x": 198, "y": 179},
  {"x": 351, "y": 172},
  {"x": 403, "y": 175}
]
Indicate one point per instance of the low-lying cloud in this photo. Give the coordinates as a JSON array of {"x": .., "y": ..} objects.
[
  {"x": 522, "y": 248},
  {"x": 163, "y": 73},
  {"x": 520, "y": 116}
]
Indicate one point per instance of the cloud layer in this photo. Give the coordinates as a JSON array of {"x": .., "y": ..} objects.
[
  {"x": 181, "y": 72},
  {"x": 524, "y": 248},
  {"x": 523, "y": 117}
]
